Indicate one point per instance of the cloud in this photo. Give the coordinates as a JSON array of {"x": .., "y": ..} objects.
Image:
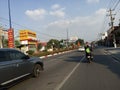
[
  {"x": 86, "y": 20},
  {"x": 101, "y": 11},
  {"x": 60, "y": 23},
  {"x": 86, "y": 27},
  {"x": 93, "y": 1},
  {"x": 36, "y": 14},
  {"x": 55, "y": 6},
  {"x": 57, "y": 11}
]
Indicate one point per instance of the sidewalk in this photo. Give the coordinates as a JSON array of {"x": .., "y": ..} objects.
[{"x": 115, "y": 52}]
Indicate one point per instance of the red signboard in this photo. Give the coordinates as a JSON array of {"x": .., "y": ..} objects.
[{"x": 11, "y": 38}]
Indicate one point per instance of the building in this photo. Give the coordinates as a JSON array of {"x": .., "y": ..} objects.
[
  {"x": 28, "y": 40},
  {"x": 116, "y": 35},
  {"x": 104, "y": 35},
  {"x": 3, "y": 36},
  {"x": 113, "y": 36},
  {"x": 43, "y": 45}
]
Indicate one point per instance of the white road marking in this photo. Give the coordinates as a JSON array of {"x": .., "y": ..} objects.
[{"x": 66, "y": 78}]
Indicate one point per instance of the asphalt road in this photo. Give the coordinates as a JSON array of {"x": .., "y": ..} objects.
[{"x": 70, "y": 71}]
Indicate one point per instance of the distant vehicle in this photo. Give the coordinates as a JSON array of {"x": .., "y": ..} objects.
[
  {"x": 14, "y": 65},
  {"x": 81, "y": 49}
]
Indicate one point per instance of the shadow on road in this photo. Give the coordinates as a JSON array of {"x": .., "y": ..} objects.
[
  {"x": 6, "y": 87},
  {"x": 76, "y": 58},
  {"x": 108, "y": 61},
  {"x": 100, "y": 58}
]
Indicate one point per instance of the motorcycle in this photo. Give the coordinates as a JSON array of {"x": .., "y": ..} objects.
[{"x": 89, "y": 58}]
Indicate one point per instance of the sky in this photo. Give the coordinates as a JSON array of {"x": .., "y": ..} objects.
[{"x": 55, "y": 19}]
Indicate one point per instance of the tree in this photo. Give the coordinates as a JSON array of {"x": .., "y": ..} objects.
[
  {"x": 17, "y": 43},
  {"x": 62, "y": 44},
  {"x": 80, "y": 41},
  {"x": 53, "y": 43},
  {"x": 5, "y": 43},
  {"x": 39, "y": 46}
]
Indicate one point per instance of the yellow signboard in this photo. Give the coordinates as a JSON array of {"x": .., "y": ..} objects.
[{"x": 27, "y": 35}]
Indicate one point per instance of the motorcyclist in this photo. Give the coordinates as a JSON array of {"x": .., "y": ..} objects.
[{"x": 88, "y": 50}]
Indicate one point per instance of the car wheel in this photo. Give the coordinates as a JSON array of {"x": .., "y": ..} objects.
[{"x": 36, "y": 71}]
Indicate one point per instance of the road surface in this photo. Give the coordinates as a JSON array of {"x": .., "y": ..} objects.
[{"x": 70, "y": 71}]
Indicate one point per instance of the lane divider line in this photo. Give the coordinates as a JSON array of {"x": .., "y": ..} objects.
[{"x": 69, "y": 75}]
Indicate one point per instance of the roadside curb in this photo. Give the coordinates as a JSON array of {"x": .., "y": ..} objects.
[{"x": 42, "y": 57}]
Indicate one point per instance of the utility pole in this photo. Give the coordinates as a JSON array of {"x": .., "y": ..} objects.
[
  {"x": 119, "y": 22},
  {"x": 9, "y": 10},
  {"x": 10, "y": 31},
  {"x": 67, "y": 39},
  {"x": 112, "y": 26}
]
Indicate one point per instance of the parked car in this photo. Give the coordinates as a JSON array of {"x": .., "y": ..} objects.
[
  {"x": 81, "y": 49},
  {"x": 14, "y": 65}
]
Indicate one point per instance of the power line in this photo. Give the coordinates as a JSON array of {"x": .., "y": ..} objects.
[
  {"x": 117, "y": 3},
  {"x": 33, "y": 29},
  {"x": 104, "y": 26},
  {"x": 110, "y": 4}
]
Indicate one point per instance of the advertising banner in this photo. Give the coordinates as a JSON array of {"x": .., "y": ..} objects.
[{"x": 11, "y": 38}]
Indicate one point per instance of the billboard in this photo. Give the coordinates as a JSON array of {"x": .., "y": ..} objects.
[
  {"x": 10, "y": 38},
  {"x": 27, "y": 35}
]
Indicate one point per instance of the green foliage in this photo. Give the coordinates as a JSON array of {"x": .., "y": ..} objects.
[
  {"x": 30, "y": 52},
  {"x": 62, "y": 44},
  {"x": 53, "y": 43},
  {"x": 41, "y": 54},
  {"x": 81, "y": 41},
  {"x": 39, "y": 46},
  {"x": 17, "y": 43},
  {"x": 5, "y": 43}
]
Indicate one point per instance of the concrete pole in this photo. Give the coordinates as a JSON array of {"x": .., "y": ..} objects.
[{"x": 112, "y": 27}]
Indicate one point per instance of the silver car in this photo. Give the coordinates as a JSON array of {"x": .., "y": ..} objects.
[
  {"x": 81, "y": 49},
  {"x": 14, "y": 65}
]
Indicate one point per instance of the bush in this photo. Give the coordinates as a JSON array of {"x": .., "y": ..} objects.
[
  {"x": 41, "y": 54},
  {"x": 30, "y": 52},
  {"x": 45, "y": 52}
]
